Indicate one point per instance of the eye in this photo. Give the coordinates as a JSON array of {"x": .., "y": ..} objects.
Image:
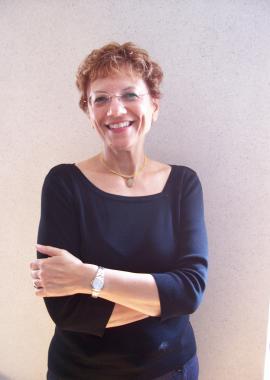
[
  {"x": 129, "y": 96},
  {"x": 100, "y": 100}
]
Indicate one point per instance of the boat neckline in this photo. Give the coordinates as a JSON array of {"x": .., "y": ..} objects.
[{"x": 124, "y": 197}]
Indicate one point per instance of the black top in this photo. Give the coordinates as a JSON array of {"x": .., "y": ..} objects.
[{"x": 162, "y": 234}]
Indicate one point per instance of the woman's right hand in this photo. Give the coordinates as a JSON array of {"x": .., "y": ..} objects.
[{"x": 122, "y": 315}]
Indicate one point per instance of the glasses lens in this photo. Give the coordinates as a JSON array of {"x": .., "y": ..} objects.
[
  {"x": 100, "y": 100},
  {"x": 104, "y": 99},
  {"x": 129, "y": 97}
]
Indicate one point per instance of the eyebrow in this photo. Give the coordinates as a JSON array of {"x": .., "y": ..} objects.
[{"x": 124, "y": 89}]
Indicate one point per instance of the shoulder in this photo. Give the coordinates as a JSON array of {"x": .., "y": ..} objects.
[
  {"x": 60, "y": 178},
  {"x": 184, "y": 170},
  {"x": 186, "y": 179},
  {"x": 60, "y": 172},
  {"x": 184, "y": 173}
]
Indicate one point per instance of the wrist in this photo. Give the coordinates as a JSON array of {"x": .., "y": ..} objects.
[
  {"x": 88, "y": 273},
  {"x": 97, "y": 284}
]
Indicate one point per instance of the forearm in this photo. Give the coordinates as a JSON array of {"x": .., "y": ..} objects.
[
  {"x": 137, "y": 291},
  {"x": 123, "y": 315}
]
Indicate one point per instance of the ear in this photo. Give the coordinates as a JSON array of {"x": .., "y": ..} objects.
[{"x": 156, "y": 103}]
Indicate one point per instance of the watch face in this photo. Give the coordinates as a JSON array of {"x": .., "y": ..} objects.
[{"x": 98, "y": 283}]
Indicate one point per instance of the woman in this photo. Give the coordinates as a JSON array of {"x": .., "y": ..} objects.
[{"x": 122, "y": 254}]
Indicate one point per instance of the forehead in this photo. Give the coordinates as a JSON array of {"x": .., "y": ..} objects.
[{"x": 117, "y": 82}]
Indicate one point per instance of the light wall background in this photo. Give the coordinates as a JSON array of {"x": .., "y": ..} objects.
[{"x": 215, "y": 118}]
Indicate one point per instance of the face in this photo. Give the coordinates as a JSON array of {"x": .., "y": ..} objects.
[{"x": 121, "y": 109}]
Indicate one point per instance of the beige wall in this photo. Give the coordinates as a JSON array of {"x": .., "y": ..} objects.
[{"x": 215, "y": 118}]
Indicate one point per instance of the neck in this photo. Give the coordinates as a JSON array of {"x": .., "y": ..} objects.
[{"x": 124, "y": 161}]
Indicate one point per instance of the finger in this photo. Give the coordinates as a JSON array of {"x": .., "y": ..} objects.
[
  {"x": 34, "y": 265},
  {"x": 48, "y": 250},
  {"x": 37, "y": 284},
  {"x": 35, "y": 274}
]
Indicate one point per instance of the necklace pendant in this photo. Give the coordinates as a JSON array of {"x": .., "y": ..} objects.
[{"x": 130, "y": 181}]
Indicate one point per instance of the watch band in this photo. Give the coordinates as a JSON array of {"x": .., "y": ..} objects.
[{"x": 97, "y": 283}]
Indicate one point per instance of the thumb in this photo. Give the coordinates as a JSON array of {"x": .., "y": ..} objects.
[{"x": 48, "y": 250}]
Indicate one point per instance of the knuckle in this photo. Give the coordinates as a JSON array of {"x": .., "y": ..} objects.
[{"x": 33, "y": 264}]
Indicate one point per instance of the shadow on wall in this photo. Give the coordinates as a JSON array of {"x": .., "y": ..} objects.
[{"x": 3, "y": 377}]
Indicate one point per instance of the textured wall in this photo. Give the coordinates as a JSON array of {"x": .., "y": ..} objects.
[{"x": 215, "y": 118}]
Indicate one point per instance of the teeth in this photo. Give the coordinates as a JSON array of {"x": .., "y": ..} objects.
[{"x": 120, "y": 125}]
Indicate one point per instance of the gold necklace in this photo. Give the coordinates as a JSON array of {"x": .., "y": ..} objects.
[{"x": 129, "y": 179}]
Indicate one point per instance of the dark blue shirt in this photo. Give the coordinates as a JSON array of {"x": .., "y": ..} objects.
[{"x": 163, "y": 234}]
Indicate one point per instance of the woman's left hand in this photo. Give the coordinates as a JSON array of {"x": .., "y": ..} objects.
[{"x": 61, "y": 274}]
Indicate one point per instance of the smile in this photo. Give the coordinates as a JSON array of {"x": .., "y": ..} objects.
[{"x": 123, "y": 124}]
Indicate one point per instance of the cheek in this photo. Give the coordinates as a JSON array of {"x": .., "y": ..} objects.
[
  {"x": 148, "y": 118},
  {"x": 94, "y": 120},
  {"x": 145, "y": 125},
  {"x": 146, "y": 113},
  {"x": 96, "y": 125}
]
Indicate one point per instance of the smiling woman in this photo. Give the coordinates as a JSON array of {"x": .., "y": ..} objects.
[{"x": 122, "y": 254}]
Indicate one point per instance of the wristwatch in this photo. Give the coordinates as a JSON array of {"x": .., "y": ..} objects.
[{"x": 97, "y": 284}]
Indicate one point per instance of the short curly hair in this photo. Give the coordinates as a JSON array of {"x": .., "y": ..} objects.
[{"x": 111, "y": 58}]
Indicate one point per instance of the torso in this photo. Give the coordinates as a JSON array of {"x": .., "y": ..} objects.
[
  {"x": 145, "y": 235},
  {"x": 150, "y": 181}
]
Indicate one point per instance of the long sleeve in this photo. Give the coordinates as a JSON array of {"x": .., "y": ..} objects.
[
  {"x": 59, "y": 227},
  {"x": 181, "y": 289}
]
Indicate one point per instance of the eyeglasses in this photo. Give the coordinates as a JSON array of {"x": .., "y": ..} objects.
[{"x": 99, "y": 101}]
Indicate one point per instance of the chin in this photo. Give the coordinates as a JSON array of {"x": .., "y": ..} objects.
[{"x": 123, "y": 145}]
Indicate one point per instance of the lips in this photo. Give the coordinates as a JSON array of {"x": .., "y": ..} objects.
[{"x": 119, "y": 126}]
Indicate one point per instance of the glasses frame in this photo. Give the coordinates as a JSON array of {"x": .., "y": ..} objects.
[{"x": 110, "y": 97}]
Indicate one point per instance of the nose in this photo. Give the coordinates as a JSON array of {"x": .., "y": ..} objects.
[{"x": 116, "y": 107}]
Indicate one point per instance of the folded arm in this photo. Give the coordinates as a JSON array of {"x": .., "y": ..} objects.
[
  {"x": 63, "y": 274},
  {"x": 123, "y": 315}
]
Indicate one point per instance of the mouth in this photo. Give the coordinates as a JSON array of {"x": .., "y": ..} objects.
[{"x": 116, "y": 127}]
